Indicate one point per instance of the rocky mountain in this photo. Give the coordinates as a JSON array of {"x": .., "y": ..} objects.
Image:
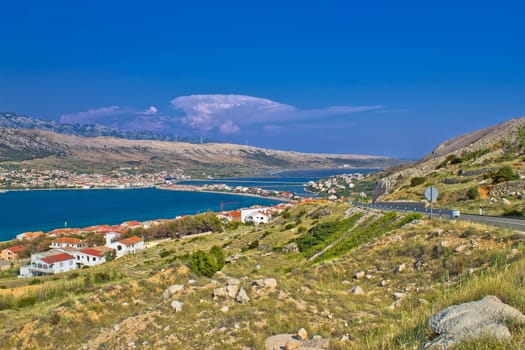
[
  {"x": 44, "y": 149},
  {"x": 467, "y": 161},
  {"x": 15, "y": 121}
]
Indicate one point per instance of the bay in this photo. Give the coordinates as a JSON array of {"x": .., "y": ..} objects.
[
  {"x": 44, "y": 210},
  {"x": 284, "y": 180}
]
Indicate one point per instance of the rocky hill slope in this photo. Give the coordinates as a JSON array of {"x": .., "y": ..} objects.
[
  {"x": 336, "y": 276},
  {"x": 43, "y": 149},
  {"x": 457, "y": 165}
]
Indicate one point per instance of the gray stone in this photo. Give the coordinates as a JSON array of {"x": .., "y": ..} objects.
[
  {"x": 357, "y": 290},
  {"x": 233, "y": 281},
  {"x": 400, "y": 268},
  {"x": 398, "y": 295},
  {"x": 175, "y": 288},
  {"x": 242, "y": 297},
  {"x": 302, "y": 334},
  {"x": 176, "y": 305},
  {"x": 359, "y": 274},
  {"x": 226, "y": 292},
  {"x": 473, "y": 320}
]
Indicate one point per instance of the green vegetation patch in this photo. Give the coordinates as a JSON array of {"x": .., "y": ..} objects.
[{"x": 321, "y": 234}]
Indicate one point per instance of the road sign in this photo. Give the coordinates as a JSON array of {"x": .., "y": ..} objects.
[{"x": 431, "y": 194}]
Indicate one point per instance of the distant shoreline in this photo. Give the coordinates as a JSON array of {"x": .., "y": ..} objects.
[{"x": 187, "y": 188}]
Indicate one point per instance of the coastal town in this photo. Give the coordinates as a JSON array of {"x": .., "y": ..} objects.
[
  {"x": 61, "y": 179},
  {"x": 69, "y": 249}
]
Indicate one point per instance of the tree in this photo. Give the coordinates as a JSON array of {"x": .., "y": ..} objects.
[
  {"x": 504, "y": 174},
  {"x": 473, "y": 193}
]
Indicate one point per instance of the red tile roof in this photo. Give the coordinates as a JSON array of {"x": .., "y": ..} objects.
[
  {"x": 93, "y": 252},
  {"x": 235, "y": 214},
  {"x": 17, "y": 249},
  {"x": 67, "y": 240},
  {"x": 57, "y": 258},
  {"x": 131, "y": 240}
]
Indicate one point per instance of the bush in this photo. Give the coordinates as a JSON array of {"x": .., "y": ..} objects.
[
  {"x": 416, "y": 181},
  {"x": 165, "y": 253},
  {"x": 207, "y": 264},
  {"x": 451, "y": 159},
  {"x": 289, "y": 226},
  {"x": 504, "y": 174},
  {"x": 513, "y": 212},
  {"x": 473, "y": 193}
]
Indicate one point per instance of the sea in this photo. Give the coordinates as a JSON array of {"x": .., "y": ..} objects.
[
  {"x": 283, "y": 180},
  {"x": 45, "y": 210}
]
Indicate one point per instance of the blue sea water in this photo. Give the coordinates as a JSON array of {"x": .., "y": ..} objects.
[{"x": 22, "y": 211}]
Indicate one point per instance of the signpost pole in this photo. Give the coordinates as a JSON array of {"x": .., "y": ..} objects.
[{"x": 431, "y": 203}]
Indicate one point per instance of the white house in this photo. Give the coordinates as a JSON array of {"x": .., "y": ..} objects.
[
  {"x": 47, "y": 263},
  {"x": 91, "y": 256},
  {"x": 257, "y": 215},
  {"x": 66, "y": 242},
  {"x": 260, "y": 218},
  {"x": 125, "y": 246}
]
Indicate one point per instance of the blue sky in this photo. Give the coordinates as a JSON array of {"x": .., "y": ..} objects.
[{"x": 373, "y": 77}]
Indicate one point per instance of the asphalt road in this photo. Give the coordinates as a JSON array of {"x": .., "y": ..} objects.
[{"x": 416, "y": 207}]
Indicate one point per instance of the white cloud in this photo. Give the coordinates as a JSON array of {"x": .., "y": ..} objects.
[
  {"x": 215, "y": 114},
  {"x": 152, "y": 110},
  {"x": 230, "y": 113}
]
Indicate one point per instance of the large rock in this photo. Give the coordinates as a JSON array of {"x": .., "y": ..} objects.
[
  {"x": 470, "y": 321},
  {"x": 357, "y": 290},
  {"x": 265, "y": 283},
  {"x": 292, "y": 341},
  {"x": 175, "y": 288},
  {"x": 176, "y": 305},
  {"x": 226, "y": 292},
  {"x": 242, "y": 296}
]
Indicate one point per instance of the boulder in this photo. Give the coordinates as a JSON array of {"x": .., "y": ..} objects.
[
  {"x": 359, "y": 274},
  {"x": 357, "y": 290},
  {"x": 302, "y": 334},
  {"x": 225, "y": 292},
  {"x": 473, "y": 320},
  {"x": 242, "y": 297},
  {"x": 175, "y": 288},
  {"x": 400, "y": 268},
  {"x": 233, "y": 281},
  {"x": 265, "y": 283},
  {"x": 292, "y": 344},
  {"x": 176, "y": 305}
]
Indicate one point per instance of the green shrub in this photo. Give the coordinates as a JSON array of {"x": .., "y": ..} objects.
[
  {"x": 165, "y": 253},
  {"x": 416, "y": 181},
  {"x": 504, "y": 174},
  {"x": 451, "y": 159},
  {"x": 473, "y": 193},
  {"x": 253, "y": 245},
  {"x": 319, "y": 235},
  {"x": 207, "y": 264},
  {"x": 289, "y": 226},
  {"x": 35, "y": 281},
  {"x": 513, "y": 212}
]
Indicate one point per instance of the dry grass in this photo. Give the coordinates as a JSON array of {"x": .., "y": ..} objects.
[{"x": 314, "y": 296}]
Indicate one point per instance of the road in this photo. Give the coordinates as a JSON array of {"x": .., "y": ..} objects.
[{"x": 416, "y": 207}]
